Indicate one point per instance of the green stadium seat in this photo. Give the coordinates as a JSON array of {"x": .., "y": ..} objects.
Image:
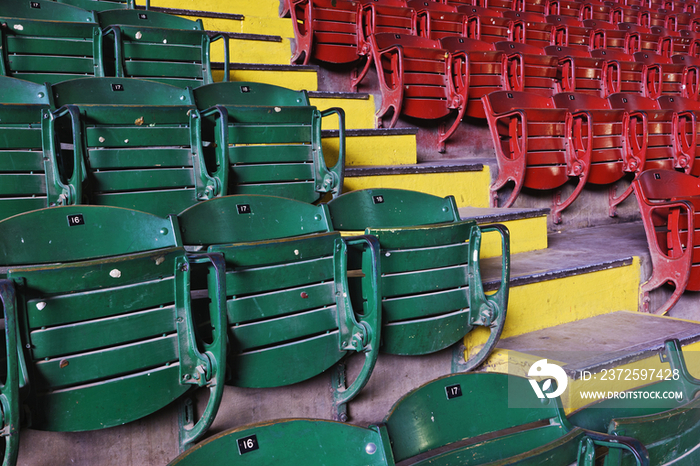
[
  {"x": 45, "y": 41},
  {"x": 101, "y": 5},
  {"x": 118, "y": 343},
  {"x": 466, "y": 419},
  {"x": 33, "y": 171},
  {"x": 290, "y": 313},
  {"x": 273, "y": 139},
  {"x": 158, "y": 46},
  {"x": 432, "y": 293},
  {"x": 668, "y": 428},
  {"x": 143, "y": 144},
  {"x": 296, "y": 442}
]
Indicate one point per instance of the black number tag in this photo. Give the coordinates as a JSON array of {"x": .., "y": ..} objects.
[
  {"x": 75, "y": 220},
  {"x": 35, "y": 4},
  {"x": 143, "y": 16},
  {"x": 378, "y": 199},
  {"x": 117, "y": 87},
  {"x": 657, "y": 176},
  {"x": 453, "y": 391},
  {"x": 245, "y": 89},
  {"x": 244, "y": 209},
  {"x": 247, "y": 444}
]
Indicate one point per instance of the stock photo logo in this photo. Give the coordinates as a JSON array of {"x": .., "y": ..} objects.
[{"x": 551, "y": 371}]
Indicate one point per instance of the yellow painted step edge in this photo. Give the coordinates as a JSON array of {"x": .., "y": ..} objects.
[{"x": 544, "y": 304}]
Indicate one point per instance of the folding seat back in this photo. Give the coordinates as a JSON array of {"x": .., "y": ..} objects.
[
  {"x": 485, "y": 70},
  {"x": 287, "y": 290},
  {"x": 570, "y": 36},
  {"x": 294, "y": 442},
  {"x": 664, "y": 77},
  {"x": 527, "y": 68},
  {"x": 119, "y": 343},
  {"x": 325, "y": 30},
  {"x": 562, "y": 7},
  {"x": 669, "y": 202},
  {"x": 608, "y": 39},
  {"x": 419, "y": 79},
  {"x": 45, "y": 41},
  {"x": 143, "y": 145},
  {"x": 34, "y": 172},
  {"x": 598, "y": 128},
  {"x": 579, "y": 71},
  {"x": 436, "y": 20},
  {"x": 492, "y": 28},
  {"x": 101, "y": 5},
  {"x": 497, "y": 5},
  {"x": 679, "y": 105},
  {"x": 602, "y": 135},
  {"x": 594, "y": 11},
  {"x": 397, "y": 17},
  {"x": 159, "y": 47},
  {"x": 668, "y": 136},
  {"x": 429, "y": 424},
  {"x": 530, "y": 28},
  {"x": 271, "y": 140},
  {"x": 432, "y": 294},
  {"x": 620, "y": 73},
  {"x": 532, "y": 150}
]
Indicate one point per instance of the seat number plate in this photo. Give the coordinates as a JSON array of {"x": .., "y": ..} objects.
[
  {"x": 35, "y": 4},
  {"x": 453, "y": 391},
  {"x": 75, "y": 220},
  {"x": 378, "y": 199},
  {"x": 244, "y": 209},
  {"x": 247, "y": 444}
]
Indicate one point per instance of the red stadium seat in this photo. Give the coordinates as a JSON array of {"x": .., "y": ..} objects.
[{"x": 420, "y": 79}]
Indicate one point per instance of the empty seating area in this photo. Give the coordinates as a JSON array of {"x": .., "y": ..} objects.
[{"x": 360, "y": 232}]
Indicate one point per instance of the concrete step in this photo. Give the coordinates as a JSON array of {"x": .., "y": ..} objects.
[
  {"x": 589, "y": 349},
  {"x": 297, "y": 77},
  {"x": 358, "y": 106},
  {"x": 251, "y": 48},
  {"x": 582, "y": 273},
  {"x": 527, "y": 227},
  {"x": 368, "y": 147},
  {"x": 266, "y": 8},
  {"x": 468, "y": 182}
]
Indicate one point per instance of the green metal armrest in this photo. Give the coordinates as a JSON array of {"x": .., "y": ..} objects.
[
  {"x": 9, "y": 390},
  {"x": 213, "y": 184},
  {"x": 330, "y": 180},
  {"x": 202, "y": 369},
  {"x": 358, "y": 332},
  {"x": 64, "y": 191}
]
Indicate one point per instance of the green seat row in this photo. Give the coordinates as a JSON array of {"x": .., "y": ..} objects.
[
  {"x": 158, "y": 148},
  {"x": 669, "y": 427},
  {"x": 47, "y": 41},
  {"x": 460, "y": 419},
  {"x": 272, "y": 280}
]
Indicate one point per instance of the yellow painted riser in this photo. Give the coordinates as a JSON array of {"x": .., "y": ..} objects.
[
  {"x": 297, "y": 80},
  {"x": 516, "y": 363},
  {"x": 359, "y": 113},
  {"x": 269, "y": 8},
  {"x": 253, "y": 51},
  {"x": 250, "y": 25},
  {"x": 468, "y": 188},
  {"x": 491, "y": 241},
  {"x": 528, "y": 234},
  {"x": 553, "y": 302},
  {"x": 372, "y": 150}
]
